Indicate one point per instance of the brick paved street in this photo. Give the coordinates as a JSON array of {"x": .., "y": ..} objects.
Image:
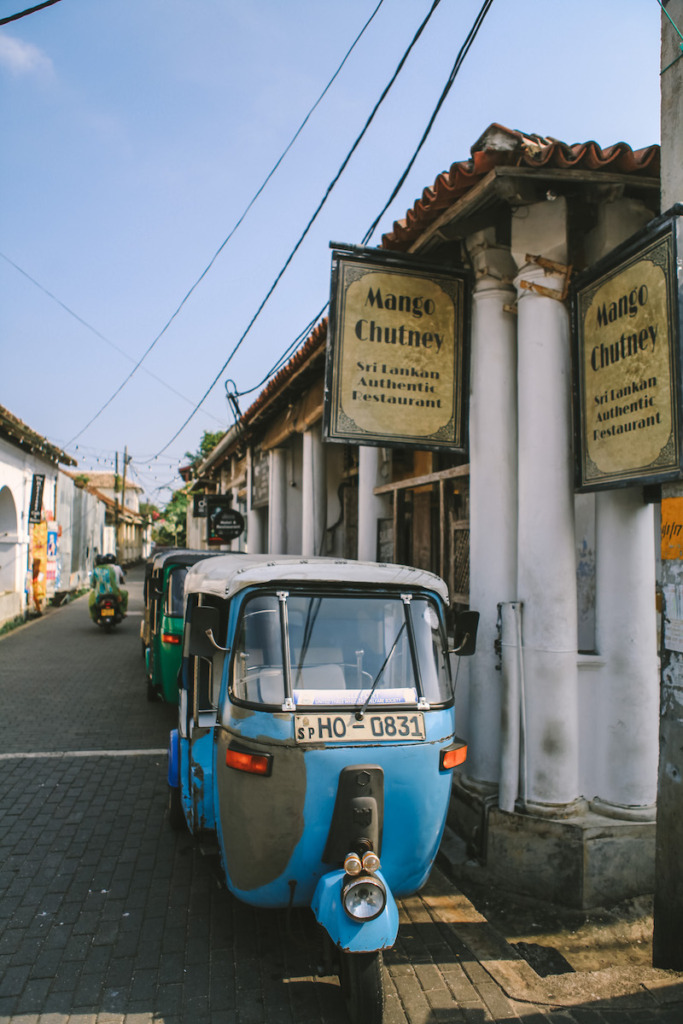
[{"x": 109, "y": 917}]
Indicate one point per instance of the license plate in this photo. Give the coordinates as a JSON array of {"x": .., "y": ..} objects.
[
  {"x": 372, "y": 728},
  {"x": 107, "y": 611}
]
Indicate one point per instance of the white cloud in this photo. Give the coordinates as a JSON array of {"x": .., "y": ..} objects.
[{"x": 22, "y": 58}]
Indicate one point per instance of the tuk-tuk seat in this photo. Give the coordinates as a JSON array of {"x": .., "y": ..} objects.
[
  {"x": 319, "y": 677},
  {"x": 324, "y": 656}
]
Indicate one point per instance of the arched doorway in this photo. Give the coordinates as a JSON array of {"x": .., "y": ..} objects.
[{"x": 9, "y": 548}]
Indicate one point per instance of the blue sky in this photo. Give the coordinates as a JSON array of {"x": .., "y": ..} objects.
[{"x": 135, "y": 133}]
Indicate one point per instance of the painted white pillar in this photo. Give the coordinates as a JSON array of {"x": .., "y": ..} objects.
[
  {"x": 627, "y": 641},
  {"x": 493, "y": 495},
  {"x": 235, "y": 491},
  {"x": 626, "y": 629},
  {"x": 314, "y": 494},
  {"x": 277, "y": 508},
  {"x": 255, "y": 532},
  {"x": 370, "y": 505},
  {"x": 546, "y": 549}
]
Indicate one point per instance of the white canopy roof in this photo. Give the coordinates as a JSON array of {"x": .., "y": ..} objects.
[{"x": 225, "y": 575}]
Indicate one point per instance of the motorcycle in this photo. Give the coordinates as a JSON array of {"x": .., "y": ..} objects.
[
  {"x": 316, "y": 740},
  {"x": 106, "y": 611}
]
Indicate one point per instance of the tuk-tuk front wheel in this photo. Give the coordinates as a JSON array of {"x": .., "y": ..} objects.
[{"x": 362, "y": 986}]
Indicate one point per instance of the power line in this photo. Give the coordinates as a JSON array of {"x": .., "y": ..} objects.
[
  {"x": 231, "y": 233},
  {"x": 98, "y": 334},
  {"x": 464, "y": 50},
  {"x": 301, "y": 336},
  {"x": 471, "y": 36},
  {"x": 31, "y": 10},
  {"x": 310, "y": 223}
]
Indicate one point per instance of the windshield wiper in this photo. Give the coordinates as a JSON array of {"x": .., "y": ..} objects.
[{"x": 361, "y": 711}]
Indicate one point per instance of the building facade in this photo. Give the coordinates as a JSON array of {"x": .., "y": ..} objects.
[
  {"x": 30, "y": 533},
  {"x": 560, "y": 703}
]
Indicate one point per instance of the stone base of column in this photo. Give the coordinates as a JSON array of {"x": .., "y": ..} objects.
[
  {"x": 554, "y": 811},
  {"x": 588, "y": 860},
  {"x": 622, "y": 811}
]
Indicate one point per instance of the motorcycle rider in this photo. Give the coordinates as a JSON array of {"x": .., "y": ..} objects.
[{"x": 106, "y": 579}]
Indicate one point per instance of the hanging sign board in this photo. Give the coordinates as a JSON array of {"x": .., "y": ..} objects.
[
  {"x": 223, "y": 523},
  {"x": 36, "y": 506},
  {"x": 199, "y": 506},
  {"x": 396, "y": 372},
  {"x": 627, "y": 385}
]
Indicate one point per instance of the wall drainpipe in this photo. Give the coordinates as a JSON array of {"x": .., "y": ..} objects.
[{"x": 513, "y": 709}]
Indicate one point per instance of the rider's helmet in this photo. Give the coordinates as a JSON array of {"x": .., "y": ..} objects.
[
  {"x": 100, "y": 559},
  {"x": 110, "y": 559}
]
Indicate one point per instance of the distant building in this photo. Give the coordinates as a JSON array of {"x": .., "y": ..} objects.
[
  {"x": 30, "y": 566},
  {"x": 111, "y": 486},
  {"x": 128, "y": 531}
]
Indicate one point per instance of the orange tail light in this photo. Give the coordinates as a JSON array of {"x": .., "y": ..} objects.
[{"x": 452, "y": 756}]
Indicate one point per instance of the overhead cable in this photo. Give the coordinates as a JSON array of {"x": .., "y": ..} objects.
[
  {"x": 309, "y": 225},
  {"x": 24, "y": 14},
  {"x": 99, "y": 335},
  {"x": 232, "y": 232},
  {"x": 451, "y": 78},
  {"x": 464, "y": 49}
]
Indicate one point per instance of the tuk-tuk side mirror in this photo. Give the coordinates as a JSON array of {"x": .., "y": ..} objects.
[
  {"x": 203, "y": 627},
  {"x": 466, "y": 625}
]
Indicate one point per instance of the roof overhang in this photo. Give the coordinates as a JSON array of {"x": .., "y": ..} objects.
[{"x": 506, "y": 188}]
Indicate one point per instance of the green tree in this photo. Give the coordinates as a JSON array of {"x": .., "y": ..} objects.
[
  {"x": 171, "y": 529},
  {"x": 210, "y": 439}
]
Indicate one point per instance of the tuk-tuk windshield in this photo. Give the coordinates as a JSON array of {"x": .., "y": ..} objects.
[{"x": 339, "y": 647}]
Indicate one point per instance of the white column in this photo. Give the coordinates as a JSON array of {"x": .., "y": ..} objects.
[
  {"x": 314, "y": 494},
  {"x": 235, "y": 544},
  {"x": 626, "y": 630},
  {"x": 493, "y": 494},
  {"x": 255, "y": 532},
  {"x": 370, "y": 506},
  {"x": 546, "y": 551},
  {"x": 627, "y": 641},
  {"x": 277, "y": 508}
]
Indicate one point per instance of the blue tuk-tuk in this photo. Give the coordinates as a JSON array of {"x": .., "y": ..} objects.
[{"x": 316, "y": 739}]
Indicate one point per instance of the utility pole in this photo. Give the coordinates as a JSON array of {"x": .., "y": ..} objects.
[
  {"x": 120, "y": 538},
  {"x": 667, "y": 941},
  {"x": 123, "y": 485},
  {"x": 116, "y": 501}
]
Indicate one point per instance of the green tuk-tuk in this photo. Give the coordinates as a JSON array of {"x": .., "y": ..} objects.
[{"x": 164, "y": 614}]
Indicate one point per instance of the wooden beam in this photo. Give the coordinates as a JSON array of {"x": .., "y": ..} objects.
[{"x": 420, "y": 481}]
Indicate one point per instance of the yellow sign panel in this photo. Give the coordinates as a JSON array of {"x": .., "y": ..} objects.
[
  {"x": 672, "y": 528},
  {"x": 395, "y": 357},
  {"x": 627, "y": 379}
]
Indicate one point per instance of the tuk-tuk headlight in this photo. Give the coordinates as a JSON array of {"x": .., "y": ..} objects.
[{"x": 364, "y": 898}]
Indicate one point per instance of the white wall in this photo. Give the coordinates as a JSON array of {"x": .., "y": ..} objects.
[{"x": 16, "y": 476}]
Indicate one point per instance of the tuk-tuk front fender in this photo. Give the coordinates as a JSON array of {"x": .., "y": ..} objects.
[{"x": 349, "y": 935}]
